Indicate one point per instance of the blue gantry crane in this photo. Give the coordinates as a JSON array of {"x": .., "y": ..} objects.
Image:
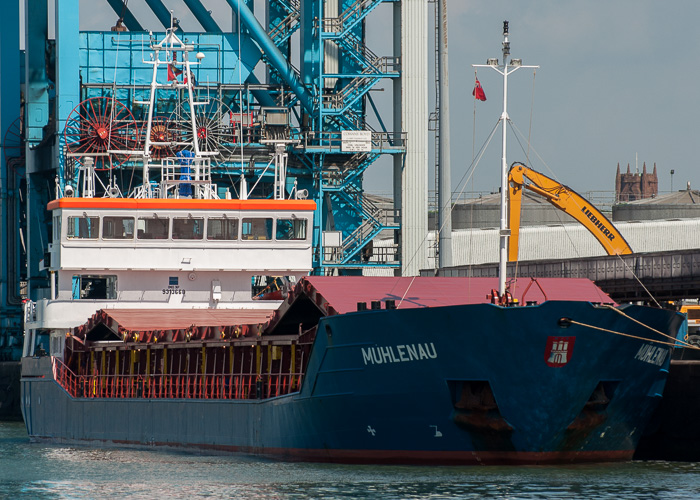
[{"x": 78, "y": 93}]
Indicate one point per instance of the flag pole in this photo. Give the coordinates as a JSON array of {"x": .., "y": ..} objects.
[
  {"x": 504, "y": 231},
  {"x": 504, "y": 70}
]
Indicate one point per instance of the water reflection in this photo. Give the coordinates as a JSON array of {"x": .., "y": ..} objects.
[{"x": 45, "y": 471}]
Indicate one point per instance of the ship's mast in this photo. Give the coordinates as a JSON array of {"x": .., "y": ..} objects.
[
  {"x": 504, "y": 231},
  {"x": 504, "y": 70}
]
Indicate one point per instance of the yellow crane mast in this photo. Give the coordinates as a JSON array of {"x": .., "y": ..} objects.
[{"x": 564, "y": 198}]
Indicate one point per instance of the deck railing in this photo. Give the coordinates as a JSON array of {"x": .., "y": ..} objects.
[{"x": 176, "y": 386}]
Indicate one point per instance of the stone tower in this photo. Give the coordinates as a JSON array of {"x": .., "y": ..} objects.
[{"x": 634, "y": 186}]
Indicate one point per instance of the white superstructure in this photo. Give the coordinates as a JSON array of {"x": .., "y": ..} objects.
[
  {"x": 110, "y": 252},
  {"x": 170, "y": 243}
]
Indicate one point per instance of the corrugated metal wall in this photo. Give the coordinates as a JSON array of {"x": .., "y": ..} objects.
[{"x": 480, "y": 246}]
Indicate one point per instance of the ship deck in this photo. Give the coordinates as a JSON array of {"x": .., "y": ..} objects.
[{"x": 317, "y": 296}]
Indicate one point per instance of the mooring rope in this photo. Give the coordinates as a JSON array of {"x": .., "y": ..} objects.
[
  {"x": 674, "y": 341},
  {"x": 618, "y": 311},
  {"x": 663, "y": 342}
]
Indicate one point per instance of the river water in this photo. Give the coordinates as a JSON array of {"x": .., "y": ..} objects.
[{"x": 37, "y": 471}]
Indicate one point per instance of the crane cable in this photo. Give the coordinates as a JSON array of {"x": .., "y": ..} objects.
[
  {"x": 532, "y": 107},
  {"x": 514, "y": 280},
  {"x": 464, "y": 181}
]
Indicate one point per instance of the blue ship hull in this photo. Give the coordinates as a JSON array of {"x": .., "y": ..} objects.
[{"x": 463, "y": 384}]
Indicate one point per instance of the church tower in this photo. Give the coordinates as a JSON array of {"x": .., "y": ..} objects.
[{"x": 634, "y": 186}]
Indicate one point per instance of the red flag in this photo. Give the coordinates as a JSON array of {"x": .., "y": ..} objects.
[
  {"x": 173, "y": 72},
  {"x": 478, "y": 92},
  {"x": 194, "y": 82}
]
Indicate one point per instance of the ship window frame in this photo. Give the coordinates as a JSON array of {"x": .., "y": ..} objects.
[
  {"x": 295, "y": 221},
  {"x": 123, "y": 218},
  {"x": 233, "y": 235},
  {"x": 90, "y": 219},
  {"x": 285, "y": 284},
  {"x": 141, "y": 233},
  {"x": 80, "y": 283},
  {"x": 257, "y": 228},
  {"x": 194, "y": 220},
  {"x": 56, "y": 228}
]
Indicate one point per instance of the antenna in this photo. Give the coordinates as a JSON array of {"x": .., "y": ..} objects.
[{"x": 506, "y": 43}]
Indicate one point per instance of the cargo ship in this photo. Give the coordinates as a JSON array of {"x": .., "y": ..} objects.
[{"x": 160, "y": 335}]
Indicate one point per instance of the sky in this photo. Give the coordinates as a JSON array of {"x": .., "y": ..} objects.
[{"x": 618, "y": 83}]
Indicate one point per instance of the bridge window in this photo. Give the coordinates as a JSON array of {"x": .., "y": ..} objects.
[
  {"x": 153, "y": 228},
  {"x": 291, "y": 229},
  {"x": 56, "y": 228},
  {"x": 118, "y": 228},
  {"x": 271, "y": 287},
  {"x": 83, "y": 227},
  {"x": 222, "y": 229},
  {"x": 91, "y": 287},
  {"x": 188, "y": 228},
  {"x": 256, "y": 229}
]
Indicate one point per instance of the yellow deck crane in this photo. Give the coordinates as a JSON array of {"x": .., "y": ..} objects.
[{"x": 563, "y": 198}]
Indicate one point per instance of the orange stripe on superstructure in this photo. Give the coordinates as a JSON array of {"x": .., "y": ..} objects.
[{"x": 181, "y": 204}]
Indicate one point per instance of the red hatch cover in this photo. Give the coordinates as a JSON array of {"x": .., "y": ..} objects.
[
  {"x": 173, "y": 319},
  {"x": 197, "y": 323},
  {"x": 340, "y": 294}
]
